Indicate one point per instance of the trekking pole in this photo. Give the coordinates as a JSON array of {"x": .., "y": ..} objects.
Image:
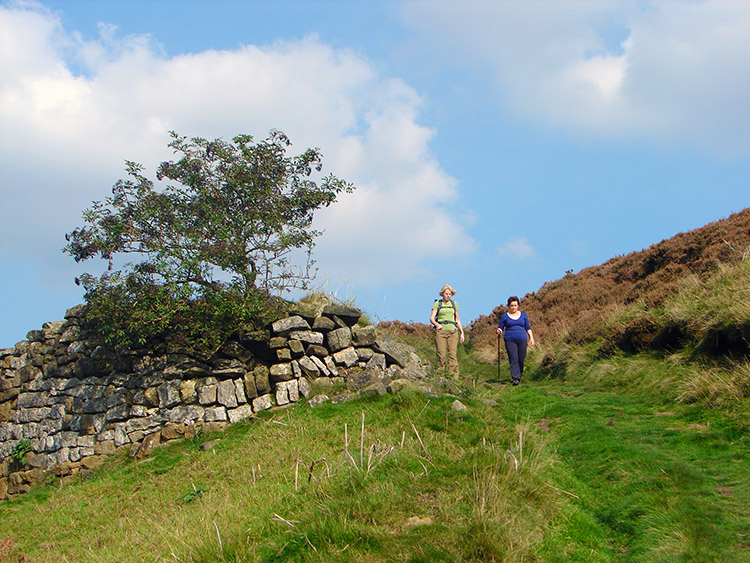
[{"x": 498, "y": 357}]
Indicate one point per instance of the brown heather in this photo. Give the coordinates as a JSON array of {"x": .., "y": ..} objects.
[{"x": 576, "y": 308}]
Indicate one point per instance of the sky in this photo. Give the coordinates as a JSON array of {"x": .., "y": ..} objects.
[{"x": 495, "y": 146}]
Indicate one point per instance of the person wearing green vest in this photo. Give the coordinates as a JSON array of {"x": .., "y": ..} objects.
[{"x": 444, "y": 317}]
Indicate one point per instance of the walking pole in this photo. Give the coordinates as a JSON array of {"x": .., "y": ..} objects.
[{"x": 498, "y": 357}]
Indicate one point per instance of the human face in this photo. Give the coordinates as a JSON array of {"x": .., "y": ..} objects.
[
  {"x": 513, "y": 307},
  {"x": 447, "y": 295}
]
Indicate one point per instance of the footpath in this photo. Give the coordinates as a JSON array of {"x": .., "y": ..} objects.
[{"x": 665, "y": 482}]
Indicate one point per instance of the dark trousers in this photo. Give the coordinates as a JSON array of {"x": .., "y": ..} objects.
[{"x": 516, "y": 355}]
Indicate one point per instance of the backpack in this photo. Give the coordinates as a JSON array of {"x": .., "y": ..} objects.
[{"x": 443, "y": 305}]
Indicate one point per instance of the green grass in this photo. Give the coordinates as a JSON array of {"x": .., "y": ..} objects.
[{"x": 604, "y": 464}]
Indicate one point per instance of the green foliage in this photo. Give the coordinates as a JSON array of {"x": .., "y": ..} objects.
[
  {"x": 230, "y": 211},
  {"x": 127, "y": 310},
  {"x": 19, "y": 451},
  {"x": 192, "y": 494},
  {"x": 237, "y": 208}
]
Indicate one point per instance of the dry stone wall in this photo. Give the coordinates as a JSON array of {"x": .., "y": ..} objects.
[{"x": 65, "y": 404}]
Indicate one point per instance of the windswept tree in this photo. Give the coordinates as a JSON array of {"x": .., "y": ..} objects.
[{"x": 228, "y": 220}]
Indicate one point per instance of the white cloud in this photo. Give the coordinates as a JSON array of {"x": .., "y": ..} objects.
[
  {"x": 673, "y": 72},
  {"x": 518, "y": 248},
  {"x": 75, "y": 109}
]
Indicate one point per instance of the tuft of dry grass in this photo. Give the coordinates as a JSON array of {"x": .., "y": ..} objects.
[
  {"x": 519, "y": 471},
  {"x": 716, "y": 387}
]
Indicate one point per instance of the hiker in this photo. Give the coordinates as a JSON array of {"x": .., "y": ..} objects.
[
  {"x": 516, "y": 330},
  {"x": 444, "y": 317}
]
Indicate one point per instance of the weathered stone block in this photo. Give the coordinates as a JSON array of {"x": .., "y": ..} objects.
[
  {"x": 316, "y": 350},
  {"x": 251, "y": 391},
  {"x": 346, "y": 357},
  {"x": 117, "y": 414},
  {"x": 185, "y": 413},
  {"x": 280, "y": 372},
  {"x": 363, "y": 335},
  {"x": 377, "y": 361},
  {"x": 364, "y": 354},
  {"x": 234, "y": 349},
  {"x": 147, "y": 446},
  {"x": 296, "y": 347},
  {"x": 304, "y": 388},
  {"x": 207, "y": 391},
  {"x": 93, "y": 461},
  {"x": 188, "y": 393},
  {"x": 324, "y": 324},
  {"x": 105, "y": 448},
  {"x": 318, "y": 400},
  {"x": 174, "y": 430},
  {"x": 308, "y": 366},
  {"x": 262, "y": 403},
  {"x": 215, "y": 414},
  {"x": 152, "y": 396},
  {"x": 229, "y": 372},
  {"x": 282, "y": 393},
  {"x": 226, "y": 394},
  {"x": 350, "y": 315},
  {"x": 120, "y": 437},
  {"x": 35, "y": 336},
  {"x": 331, "y": 365},
  {"x": 277, "y": 342},
  {"x": 394, "y": 353},
  {"x": 71, "y": 334},
  {"x": 307, "y": 336},
  {"x": 262, "y": 382},
  {"x": 169, "y": 394},
  {"x": 31, "y": 414},
  {"x": 239, "y": 391},
  {"x": 290, "y": 324},
  {"x": 339, "y": 339},
  {"x": 138, "y": 411},
  {"x": 320, "y": 364},
  {"x": 240, "y": 413}
]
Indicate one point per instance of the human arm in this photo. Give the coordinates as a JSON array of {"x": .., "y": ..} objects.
[
  {"x": 528, "y": 330},
  {"x": 500, "y": 325},
  {"x": 433, "y": 319},
  {"x": 459, "y": 325}
]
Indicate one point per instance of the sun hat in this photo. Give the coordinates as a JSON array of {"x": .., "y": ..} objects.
[{"x": 448, "y": 287}]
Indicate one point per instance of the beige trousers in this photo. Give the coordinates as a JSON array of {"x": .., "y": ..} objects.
[{"x": 446, "y": 345}]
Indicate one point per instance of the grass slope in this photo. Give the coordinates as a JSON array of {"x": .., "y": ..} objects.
[{"x": 568, "y": 469}]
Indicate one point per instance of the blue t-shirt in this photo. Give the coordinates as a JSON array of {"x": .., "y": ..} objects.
[{"x": 514, "y": 329}]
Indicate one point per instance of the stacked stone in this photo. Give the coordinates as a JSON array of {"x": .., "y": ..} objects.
[
  {"x": 311, "y": 345},
  {"x": 73, "y": 405}
]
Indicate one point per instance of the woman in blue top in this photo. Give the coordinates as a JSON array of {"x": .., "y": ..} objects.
[{"x": 516, "y": 330}]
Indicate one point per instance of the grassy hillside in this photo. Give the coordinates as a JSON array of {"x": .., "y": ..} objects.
[{"x": 627, "y": 441}]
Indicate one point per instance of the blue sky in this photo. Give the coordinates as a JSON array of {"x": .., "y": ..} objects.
[{"x": 495, "y": 145}]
